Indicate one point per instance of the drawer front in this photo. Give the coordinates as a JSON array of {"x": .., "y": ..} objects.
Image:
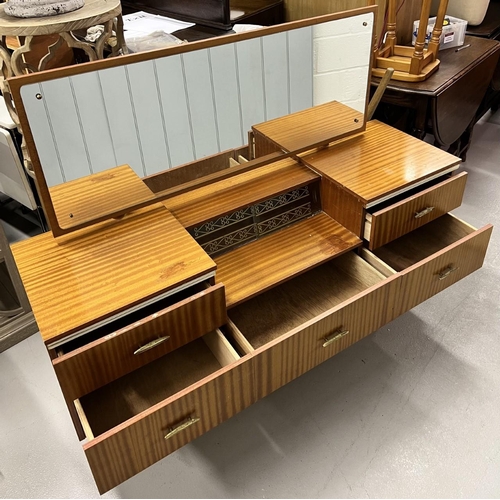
[
  {"x": 401, "y": 218},
  {"x": 287, "y": 358},
  {"x": 138, "y": 443},
  {"x": 106, "y": 359},
  {"x": 442, "y": 269}
]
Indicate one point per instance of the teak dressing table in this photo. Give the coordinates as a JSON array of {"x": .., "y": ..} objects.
[{"x": 165, "y": 320}]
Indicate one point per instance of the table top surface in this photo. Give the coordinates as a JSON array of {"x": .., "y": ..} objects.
[
  {"x": 379, "y": 162},
  {"x": 92, "y": 13},
  {"x": 79, "y": 279},
  {"x": 454, "y": 63}
]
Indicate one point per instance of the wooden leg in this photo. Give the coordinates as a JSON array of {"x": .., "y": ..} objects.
[
  {"x": 438, "y": 29},
  {"x": 418, "y": 53}
]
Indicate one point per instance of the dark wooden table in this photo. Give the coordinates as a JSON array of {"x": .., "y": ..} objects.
[{"x": 445, "y": 104}]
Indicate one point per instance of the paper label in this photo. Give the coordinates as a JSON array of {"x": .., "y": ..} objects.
[{"x": 449, "y": 37}]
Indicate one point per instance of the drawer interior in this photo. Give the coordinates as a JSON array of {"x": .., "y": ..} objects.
[
  {"x": 134, "y": 393},
  {"x": 423, "y": 242},
  {"x": 271, "y": 314},
  {"x": 404, "y": 196},
  {"x": 129, "y": 319}
]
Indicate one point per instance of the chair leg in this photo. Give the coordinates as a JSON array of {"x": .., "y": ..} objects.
[
  {"x": 390, "y": 40},
  {"x": 418, "y": 53},
  {"x": 438, "y": 29}
]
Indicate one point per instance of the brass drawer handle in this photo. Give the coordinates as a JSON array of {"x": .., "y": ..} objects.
[
  {"x": 447, "y": 272},
  {"x": 334, "y": 336},
  {"x": 425, "y": 211},
  {"x": 150, "y": 345},
  {"x": 172, "y": 431}
]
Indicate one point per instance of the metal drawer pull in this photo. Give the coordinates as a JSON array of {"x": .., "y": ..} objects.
[
  {"x": 447, "y": 272},
  {"x": 150, "y": 345},
  {"x": 334, "y": 336},
  {"x": 172, "y": 431},
  {"x": 425, "y": 211}
]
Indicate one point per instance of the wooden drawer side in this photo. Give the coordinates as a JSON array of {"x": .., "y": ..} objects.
[
  {"x": 288, "y": 358},
  {"x": 441, "y": 270},
  {"x": 141, "y": 441},
  {"x": 406, "y": 216},
  {"x": 104, "y": 360}
]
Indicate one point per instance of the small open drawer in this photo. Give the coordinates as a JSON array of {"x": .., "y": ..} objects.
[
  {"x": 305, "y": 321},
  {"x": 106, "y": 354},
  {"x": 399, "y": 216},
  {"x": 434, "y": 257},
  {"x": 142, "y": 417}
]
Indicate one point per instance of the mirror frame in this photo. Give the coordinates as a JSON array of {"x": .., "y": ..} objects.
[{"x": 15, "y": 85}]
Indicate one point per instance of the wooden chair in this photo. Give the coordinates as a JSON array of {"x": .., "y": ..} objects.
[{"x": 411, "y": 64}]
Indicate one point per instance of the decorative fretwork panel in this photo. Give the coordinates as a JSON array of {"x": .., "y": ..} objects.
[{"x": 247, "y": 224}]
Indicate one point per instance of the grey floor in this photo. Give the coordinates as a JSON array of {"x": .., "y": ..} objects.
[{"x": 411, "y": 411}]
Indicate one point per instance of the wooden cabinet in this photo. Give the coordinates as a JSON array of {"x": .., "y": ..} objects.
[{"x": 228, "y": 291}]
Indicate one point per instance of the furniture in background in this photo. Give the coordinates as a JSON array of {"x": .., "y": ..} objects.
[
  {"x": 16, "y": 318},
  {"x": 217, "y": 14},
  {"x": 410, "y": 64},
  {"x": 446, "y": 104},
  {"x": 489, "y": 28},
  {"x": 93, "y": 13},
  {"x": 13, "y": 178}
]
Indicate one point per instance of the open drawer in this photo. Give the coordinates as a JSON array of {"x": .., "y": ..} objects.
[
  {"x": 398, "y": 216},
  {"x": 142, "y": 417},
  {"x": 305, "y": 321},
  {"x": 111, "y": 351},
  {"x": 434, "y": 257}
]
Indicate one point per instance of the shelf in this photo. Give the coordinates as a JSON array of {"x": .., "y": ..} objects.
[
  {"x": 312, "y": 127},
  {"x": 263, "y": 264},
  {"x": 227, "y": 195}
]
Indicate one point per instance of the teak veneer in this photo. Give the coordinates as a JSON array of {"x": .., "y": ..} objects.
[
  {"x": 262, "y": 264},
  {"x": 228, "y": 195},
  {"x": 155, "y": 343},
  {"x": 76, "y": 283},
  {"x": 171, "y": 318}
]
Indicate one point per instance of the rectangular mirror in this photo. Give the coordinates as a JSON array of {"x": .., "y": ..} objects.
[{"x": 157, "y": 110}]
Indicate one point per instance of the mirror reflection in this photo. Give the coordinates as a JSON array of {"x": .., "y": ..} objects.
[{"x": 158, "y": 110}]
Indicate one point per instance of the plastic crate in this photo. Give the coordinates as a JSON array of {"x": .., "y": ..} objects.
[{"x": 453, "y": 34}]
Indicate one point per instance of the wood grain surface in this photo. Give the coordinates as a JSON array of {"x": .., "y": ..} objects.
[
  {"x": 312, "y": 127},
  {"x": 284, "y": 359},
  {"x": 139, "y": 442},
  {"x": 425, "y": 241},
  {"x": 76, "y": 280},
  {"x": 342, "y": 206},
  {"x": 227, "y": 195},
  {"x": 89, "y": 197},
  {"x": 379, "y": 162},
  {"x": 112, "y": 356},
  {"x": 399, "y": 219},
  {"x": 265, "y": 263},
  {"x": 276, "y": 312},
  {"x": 193, "y": 170},
  {"x": 421, "y": 280}
]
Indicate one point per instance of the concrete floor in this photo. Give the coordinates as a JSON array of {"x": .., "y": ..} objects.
[{"x": 411, "y": 411}]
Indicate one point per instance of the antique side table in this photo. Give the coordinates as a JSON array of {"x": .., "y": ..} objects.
[{"x": 446, "y": 104}]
